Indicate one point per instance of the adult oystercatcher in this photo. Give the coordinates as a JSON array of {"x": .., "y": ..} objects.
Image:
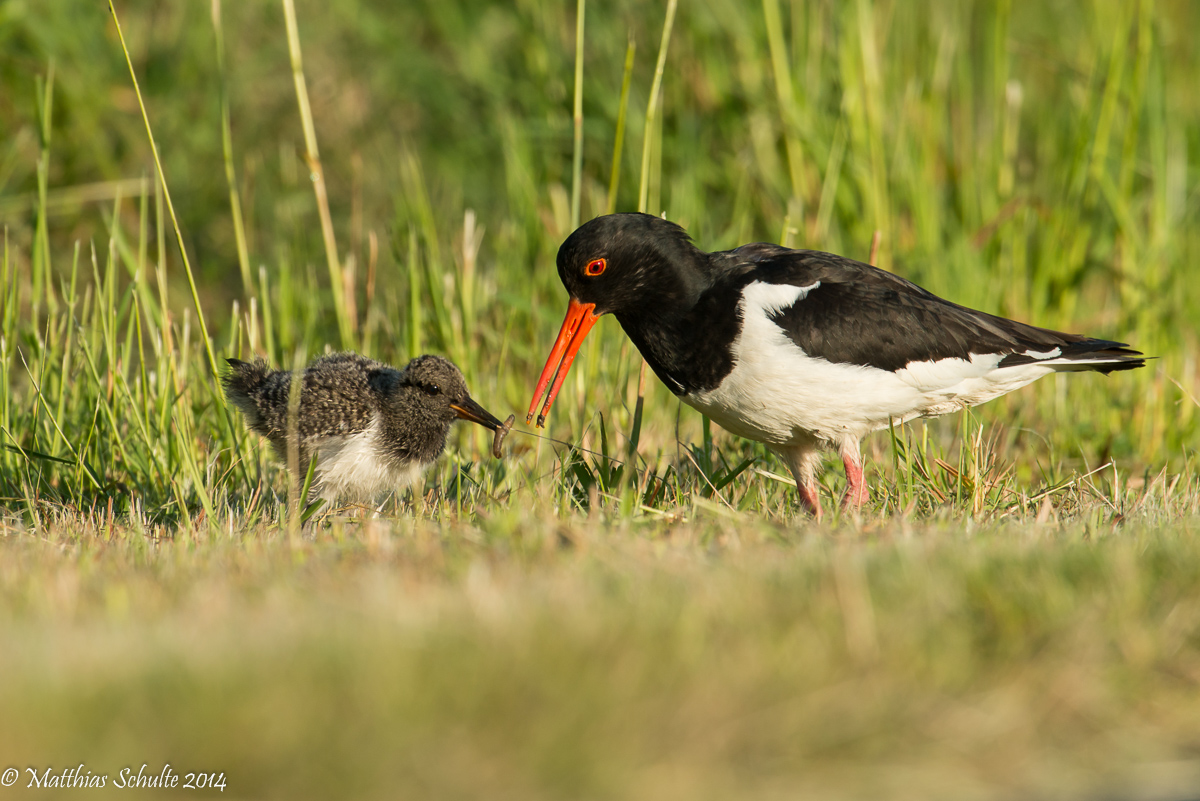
[
  {"x": 372, "y": 427},
  {"x": 797, "y": 349}
]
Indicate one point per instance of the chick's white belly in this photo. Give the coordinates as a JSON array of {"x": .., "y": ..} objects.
[{"x": 354, "y": 466}]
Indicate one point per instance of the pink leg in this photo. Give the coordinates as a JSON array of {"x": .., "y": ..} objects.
[
  {"x": 802, "y": 460},
  {"x": 809, "y": 499},
  {"x": 856, "y": 487}
]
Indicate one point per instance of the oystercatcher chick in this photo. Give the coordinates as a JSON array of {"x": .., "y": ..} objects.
[
  {"x": 373, "y": 428},
  {"x": 797, "y": 349}
]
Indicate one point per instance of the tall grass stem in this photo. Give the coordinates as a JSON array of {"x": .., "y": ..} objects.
[
  {"x": 652, "y": 106},
  {"x": 235, "y": 200},
  {"x": 577, "y": 153},
  {"x": 343, "y": 303}
]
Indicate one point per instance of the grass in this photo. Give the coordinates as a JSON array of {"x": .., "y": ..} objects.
[
  {"x": 640, "y": 660},
  {"x": 634, "y": 608}
]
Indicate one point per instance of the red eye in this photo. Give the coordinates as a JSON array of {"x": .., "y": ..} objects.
[{"x": 595, "y": 267}]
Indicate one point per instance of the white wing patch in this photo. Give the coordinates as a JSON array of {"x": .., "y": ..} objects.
[
  {"x": 768, "y": 299},
  {"x": 778, "y": 394}
]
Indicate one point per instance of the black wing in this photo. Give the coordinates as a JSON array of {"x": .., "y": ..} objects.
[{"x": 863, "y": 315}]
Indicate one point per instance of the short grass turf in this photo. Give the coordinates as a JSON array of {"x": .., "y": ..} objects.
[{"x": 715, "y": 658}]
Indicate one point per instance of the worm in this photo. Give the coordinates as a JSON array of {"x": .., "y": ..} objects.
[{"x": 501, "y": 433}]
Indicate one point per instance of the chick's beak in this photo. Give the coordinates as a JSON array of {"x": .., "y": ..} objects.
[
  {"x": 470, "y": 410},
  {"x": 579, "y": 320}
]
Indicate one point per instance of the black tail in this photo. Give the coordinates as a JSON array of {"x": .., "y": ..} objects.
[
  {"x": 1114, "y": 359},
  {"x": 1100, "y": 355}
]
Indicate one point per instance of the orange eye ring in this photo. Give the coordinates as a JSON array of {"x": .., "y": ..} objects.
[{"x": 595, "y": 267}]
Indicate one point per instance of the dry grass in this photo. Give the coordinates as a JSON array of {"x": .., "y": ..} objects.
[{"x": 714, "y": 658}]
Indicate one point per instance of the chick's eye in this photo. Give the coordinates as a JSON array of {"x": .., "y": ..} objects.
[
  {"x": 595, "y": 267},
  {"x": 432, "y": 389}
]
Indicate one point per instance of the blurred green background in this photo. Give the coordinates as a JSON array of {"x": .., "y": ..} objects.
[{"x": 1035, "y": 159}]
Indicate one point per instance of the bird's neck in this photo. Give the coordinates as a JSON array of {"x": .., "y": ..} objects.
[
  {"x": 412, "y": 432},
  {"x": 687, "y": 344}
]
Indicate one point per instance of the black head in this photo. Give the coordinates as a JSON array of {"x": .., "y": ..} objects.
[
  {"x": 439, "y": 388},
  {"x": 630, "y": 265},
  {"x": 624, "y": 262}
]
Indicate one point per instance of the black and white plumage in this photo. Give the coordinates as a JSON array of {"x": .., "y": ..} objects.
[
  {"x": 797, "y": 349},
  {"x": 372, "y": 427}
]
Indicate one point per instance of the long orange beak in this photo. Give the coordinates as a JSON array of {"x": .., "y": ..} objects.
[{"x": 580, "y": 319}]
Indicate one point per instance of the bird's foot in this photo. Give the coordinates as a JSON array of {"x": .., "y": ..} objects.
[
  {"x": 809, "y": 499},
  {"x": 856, "y": 487}
]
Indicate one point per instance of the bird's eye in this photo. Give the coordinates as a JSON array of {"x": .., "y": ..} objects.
[
  {"x": 432, "y": 389},
  {"x": 595, "y": 267}
]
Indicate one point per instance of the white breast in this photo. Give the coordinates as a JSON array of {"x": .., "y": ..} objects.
[{"x": 351, "y": 467}]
